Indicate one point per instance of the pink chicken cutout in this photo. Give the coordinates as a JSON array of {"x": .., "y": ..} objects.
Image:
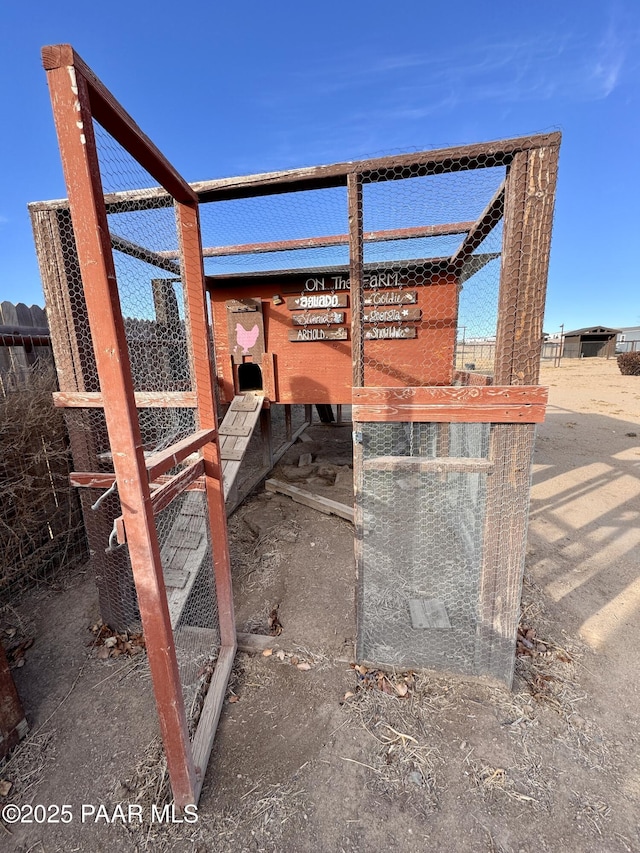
[{"x": 246, "y": 338}]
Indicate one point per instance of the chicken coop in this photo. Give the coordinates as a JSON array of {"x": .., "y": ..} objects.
[{"x": 184, "y": 315}]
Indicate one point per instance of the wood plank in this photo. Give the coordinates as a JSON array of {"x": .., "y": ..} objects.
[
  {"x": 190, "y": 525},
  {"x": 235, "y": 498},
  {"x": 257, "y": 643},
  {"x": 163, "y": 460},
  {"x": 266, "y": 435},
  {"x": 91, "y": 480},
  {"x": 24, "y": 340},
  {"x": 495, "y": 395},
  {"x": 246, "y": 403},
  {"x": 486, "y": 222},
  {"x": 443, "y": 160},
  {"x": 119, "y": 244},
  {"x": 331, "y": 240},
  {"x": 428, "y": 613},
  {"x": 233, "y": 454},
  {"x": 237, "y": 426},
  {"x": 111, "y": 115},
  {"x": 356, "y": 275},
  {"x": 529, "y": 203},
  {"x": 325, "y": 505},
  {"x": 439, "y": 161},
  {"x": 144, "y": 399},
  {"x": 235, "y": 429},
  {"x": 183, "y": 547},
  {"x": 162, "y": 497},
  {"x": 101, "y": 480},
  {"x": 193, "y": 558},
  {"x": 429, "y": 465},
  {"x": 205, "y": 733},
  {"x": 175, "y": 578},
  {"x": 452, "y": 413},
  {"x": 24, "y": 331}
]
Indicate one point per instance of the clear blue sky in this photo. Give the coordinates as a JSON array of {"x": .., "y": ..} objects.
[{"x": 232, "y": 88}]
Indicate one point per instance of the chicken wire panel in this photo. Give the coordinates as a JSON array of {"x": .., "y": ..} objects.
[
  {"x": 89, "y": 439},
  {"x": 110, "y": 562},
  {"x": 76, "y": 368},
  {"x": 433, "y": 293},
  {"x": 504, "y": 548},
  {"x": 150, "y": 285},
  {"x": 402, "y": 197},
  {"x": 275, "y": 219},
  {"x": 152, "y": 303},
  {"x": 186, "y": 556},
  {"x": 421, "y": 546},
  {"x": 478, "y": 291}
]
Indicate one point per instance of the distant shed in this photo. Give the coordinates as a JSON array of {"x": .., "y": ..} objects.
[{"x": 592, "y": 342}]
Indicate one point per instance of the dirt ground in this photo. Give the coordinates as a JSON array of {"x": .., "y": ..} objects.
[{"x": 325, "y": 758}]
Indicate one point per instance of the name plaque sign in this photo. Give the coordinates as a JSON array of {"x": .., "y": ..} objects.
[
  {"x": 310, "y": 301},
  {"x": 391, "y": 297},
  {"x": 320, "y": 318},
  {"x": 391, "y": 315},
  {"x": 317, "y": 334},
  {"x": 386, "y": 333}
]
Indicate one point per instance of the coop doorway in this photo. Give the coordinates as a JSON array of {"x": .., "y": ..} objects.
[{"x": 249, "y": 377}]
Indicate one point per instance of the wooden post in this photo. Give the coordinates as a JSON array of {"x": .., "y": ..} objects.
[
  {"x": 288, "y": 430},
  {"x": 356, "y": 262},
  {"x": 528, "y": 214},
  {"x": 74, "y": 126},
  {"x": 203, "y": 382},
  {"x": 529, "y": 199},
  {"x": 267, "y": 437}
]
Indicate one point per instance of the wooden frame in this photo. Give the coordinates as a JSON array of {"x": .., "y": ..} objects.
[
  {"x": 511, "y": 401},
  {"x": 77, "y": 99},
  {"x": 464, "y": 404}
]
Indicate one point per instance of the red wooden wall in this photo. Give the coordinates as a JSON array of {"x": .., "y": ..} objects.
[{"x": 321, "y": 371}]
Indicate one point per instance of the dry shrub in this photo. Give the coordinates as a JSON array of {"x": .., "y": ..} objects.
[
  {"x": 629, "y": 363},
  {"x": 41, "y": 526}
]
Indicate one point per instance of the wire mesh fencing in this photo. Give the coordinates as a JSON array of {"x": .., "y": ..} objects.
[{"x": 441, "y": 506}]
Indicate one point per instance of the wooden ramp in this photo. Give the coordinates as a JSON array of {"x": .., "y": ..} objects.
[
  {"x": 235, "y": 434},
  {"x": 185, "y": 546}
]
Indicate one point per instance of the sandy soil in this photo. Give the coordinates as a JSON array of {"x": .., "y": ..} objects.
[{"x": 451, "y": 765}]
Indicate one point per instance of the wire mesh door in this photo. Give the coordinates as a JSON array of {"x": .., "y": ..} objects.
[
  {"x": 141, "y": 408},
  {"x": 447, "y": 328}
]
